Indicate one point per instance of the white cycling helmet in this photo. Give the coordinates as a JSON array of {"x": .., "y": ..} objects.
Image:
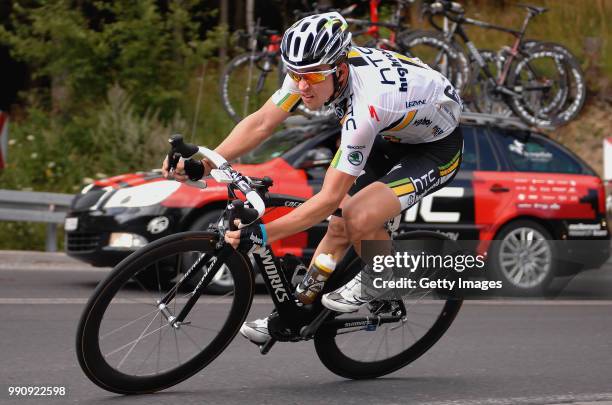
[{"x": 321, "y": 39}]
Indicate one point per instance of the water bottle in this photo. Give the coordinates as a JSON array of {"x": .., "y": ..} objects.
[{"x": 317, "y": 275}]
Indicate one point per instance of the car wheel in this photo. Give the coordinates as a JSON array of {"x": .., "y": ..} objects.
[
  {"x": 223, "y": 281},
  {"x": 524, "y": 258}
]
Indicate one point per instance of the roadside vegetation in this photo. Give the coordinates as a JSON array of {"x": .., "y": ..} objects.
[{"x": 108, "y": 81}]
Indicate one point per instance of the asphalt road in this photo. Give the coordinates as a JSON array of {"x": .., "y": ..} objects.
[{"x": 520, "y": 352}]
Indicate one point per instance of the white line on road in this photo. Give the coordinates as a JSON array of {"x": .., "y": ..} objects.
[
  {"x": 50, "y": 267},
  {"x": 262, "y": 300},
  {"x": 83, "y": 301},
  {"x": 582, "y": 399}
]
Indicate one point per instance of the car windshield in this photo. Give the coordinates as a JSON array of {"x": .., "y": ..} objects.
[{"x": 276, "y": 145}]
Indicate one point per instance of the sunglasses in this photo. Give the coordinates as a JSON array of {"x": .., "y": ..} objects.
[{"x": 311, "y": 77}]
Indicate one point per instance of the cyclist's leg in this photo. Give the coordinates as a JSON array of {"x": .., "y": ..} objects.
[
  {"x": 424, "y": 169},
  {"x": 335, "y": 241},
  {"x": 368, "y": 211}
]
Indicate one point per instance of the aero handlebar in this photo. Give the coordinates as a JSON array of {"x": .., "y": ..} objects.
[{"x": 224, "y": 173}]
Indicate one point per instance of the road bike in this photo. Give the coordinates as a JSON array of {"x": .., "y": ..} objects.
[
  {"x": 250, "y": 78},
  {"x": 133, "y": 339},
  {"x": 370, "y": 28},
  {"x": 540, "y": 82}
]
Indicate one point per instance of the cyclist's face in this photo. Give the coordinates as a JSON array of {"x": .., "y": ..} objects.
[{"x": 314, "y": 95}]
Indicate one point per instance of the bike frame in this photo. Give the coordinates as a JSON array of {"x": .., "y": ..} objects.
[
  {"x": 457, "y": 28},
  {"x": 303, "y": 320},
  {"x": 374, "y": 24}
]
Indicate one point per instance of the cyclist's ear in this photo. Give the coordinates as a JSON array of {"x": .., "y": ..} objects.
[{"x": 343, "y": 70}]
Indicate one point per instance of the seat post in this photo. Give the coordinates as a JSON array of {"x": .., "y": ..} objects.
[{"x": 525, "y": 23}]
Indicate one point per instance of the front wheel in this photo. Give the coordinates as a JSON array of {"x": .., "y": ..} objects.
[
  {"x": 128, "y": 343},
  {"x": 359, "y": 352}
]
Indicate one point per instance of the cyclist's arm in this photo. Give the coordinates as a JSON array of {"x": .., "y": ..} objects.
[
  {"x": 252, "y": 131},
  {"x": 320, "y": 206},
  {"x": 257, "y": 127},
  {"x": 357, "y": 139}
]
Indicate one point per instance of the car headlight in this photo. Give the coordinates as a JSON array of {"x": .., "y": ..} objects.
[
  {"x": 144, "y": 195},
  {"x": 121, "y": 240}
]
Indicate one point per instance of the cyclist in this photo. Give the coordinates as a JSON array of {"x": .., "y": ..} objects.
[{"x": 400, "y": 141}]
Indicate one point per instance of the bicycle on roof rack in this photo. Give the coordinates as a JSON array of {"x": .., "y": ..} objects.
[
  {"x": 540, "y": 82},
  {"x": 370, "y": 27},
  {"x": 250, "y": 78},
  {"x": 135, "y": 339}
]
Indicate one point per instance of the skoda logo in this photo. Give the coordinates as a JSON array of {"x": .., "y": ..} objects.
[
  {"x": 158, "y": 225},
  {"x": 355, "y": 158},
  {"x": 339, "y": 112}
]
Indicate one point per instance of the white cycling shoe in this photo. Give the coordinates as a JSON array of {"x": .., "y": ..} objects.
[
  {"x": 256, "y": 331},
  {"x": 348, "y": 298}
]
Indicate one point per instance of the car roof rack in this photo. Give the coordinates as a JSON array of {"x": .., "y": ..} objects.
[{"x": 497, "y": 120}]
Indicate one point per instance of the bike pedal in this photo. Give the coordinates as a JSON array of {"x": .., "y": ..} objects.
[{"x": 265, "y": 348}]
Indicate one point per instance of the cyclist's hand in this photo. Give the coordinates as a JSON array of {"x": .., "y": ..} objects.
[
  {"x": 247, "y": 238},
  {"x": 179, "y": 172}
]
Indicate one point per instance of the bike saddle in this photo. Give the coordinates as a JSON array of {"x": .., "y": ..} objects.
[{"x": 533, "y": 9}]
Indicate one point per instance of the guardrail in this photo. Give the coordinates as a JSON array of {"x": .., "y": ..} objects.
[{"x": 30, "y": 206}]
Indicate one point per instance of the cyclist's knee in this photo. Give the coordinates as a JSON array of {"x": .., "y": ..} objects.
[
  {"x": 336, "y": 229},
  {"x": 357, "y": 221}
]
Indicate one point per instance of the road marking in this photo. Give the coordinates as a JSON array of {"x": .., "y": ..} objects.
[
  {"x": 582, "y": 399},
  {"x": 83, "y": 301},
  {"x": 49, "y": 267},
  {"x": 266, "y": 300},
  {"x": 544, "y": 303}
]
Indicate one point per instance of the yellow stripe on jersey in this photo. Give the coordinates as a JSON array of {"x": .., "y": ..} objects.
[
  {"x": 288, "y": 102},
  {"x": 407, "y": 120},
  {"x": 353, "y": 54},
  {"x": 403, "y": 189},
  {"x": 450, "y": 169}
]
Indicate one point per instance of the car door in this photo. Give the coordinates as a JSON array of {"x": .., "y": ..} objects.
[
  {"x": 495, "y": 186},
  {"x": 551, "y": 184}
]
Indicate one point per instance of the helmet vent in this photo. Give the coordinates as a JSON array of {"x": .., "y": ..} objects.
[
  {"x": 304, "y": 27},
  {"x": 289, "y": 43},
  {"x": 309, "y": 42},
  {"x": 296, "y": 47}
]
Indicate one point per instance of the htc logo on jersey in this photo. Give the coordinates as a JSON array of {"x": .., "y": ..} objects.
[
  {"x": 272, "y": 272},
  {"x": 422, "y": 183}
]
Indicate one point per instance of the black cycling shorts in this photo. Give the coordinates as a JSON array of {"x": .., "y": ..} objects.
[{"x": 412, "y": 170}]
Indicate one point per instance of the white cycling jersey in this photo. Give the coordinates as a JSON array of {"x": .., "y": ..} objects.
[{"x": 388, "y": 94}]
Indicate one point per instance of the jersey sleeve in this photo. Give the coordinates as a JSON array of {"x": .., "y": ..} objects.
[
  {"x": 359, "y": 129},
  {"x": 287, "y": 98}
]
